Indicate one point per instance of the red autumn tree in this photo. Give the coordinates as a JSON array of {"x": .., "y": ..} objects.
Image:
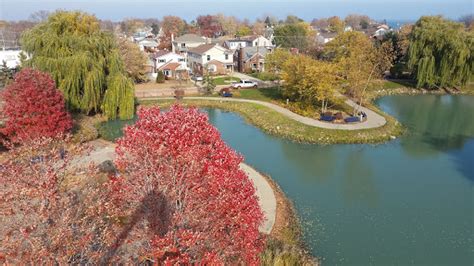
[
  {"x": 33, "y": 107},
  {"x": 44, "y": 220},
  {"x": 182, "y": 185},
  {"x": 209, "y": 26}
]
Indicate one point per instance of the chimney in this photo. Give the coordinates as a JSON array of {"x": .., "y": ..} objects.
[
  {"x": 172, "y": 43},
  {"x": 240, "y": 62}
]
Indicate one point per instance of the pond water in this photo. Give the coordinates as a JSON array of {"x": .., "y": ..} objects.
[{"x": 406, "y": 202}]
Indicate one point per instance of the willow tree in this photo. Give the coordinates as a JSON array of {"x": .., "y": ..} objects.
[
  {"x": 84, "y": 62},
  {"x": 441, "y": 53}
]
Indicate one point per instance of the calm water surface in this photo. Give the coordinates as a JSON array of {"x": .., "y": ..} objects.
[{"x": 407, "y": 202}]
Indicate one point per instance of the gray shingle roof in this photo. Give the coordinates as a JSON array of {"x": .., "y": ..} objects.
[
  {"x": 190, "y": 38},
  {"x": 201, "y": 49},
  {"x": 248, "y": 52}
]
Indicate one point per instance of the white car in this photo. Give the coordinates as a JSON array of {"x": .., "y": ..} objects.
[
  {"x": 197, "y": 78},
  {"x": 244, "y": 83}
]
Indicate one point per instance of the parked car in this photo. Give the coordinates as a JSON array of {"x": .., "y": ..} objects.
[
  {"x": 244, "y": 83},
  {"x": 197, "y": 78}
]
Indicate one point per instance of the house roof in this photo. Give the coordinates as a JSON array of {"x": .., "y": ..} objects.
[
  {"x": 161, "y": 53},
  {"x": 250, "y": 38},
  {"x": 190, "y": 38},
  {"x": 150, "y": 43},
  {"x": 249, "y": 52},
  {"x": 201, "y": 49},
  {"x": 171, "y": 66}
]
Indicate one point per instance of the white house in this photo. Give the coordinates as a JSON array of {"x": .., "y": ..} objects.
[
  {"x": 248, "y": 41},
  {"x": 170, "y": 63},
  {"x": 10, "y": 57},
  {"x": 235, "y": 44},
  {"x": 212, "y": 58},
  {"x": 148, "y": 44},
  {"x": 258, "y": 40},
  {"x": 143, "y": 33},
  {"x": 381, "y": 30},
  {"x": 325, "y": 37},
  {"x": 187, "y": 41}
]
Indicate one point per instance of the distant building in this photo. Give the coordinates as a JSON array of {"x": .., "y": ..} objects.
[
  {"x": 170, "y": 63},
  {"x": 248, "y": 41},
  {"x": 148, "y": 45},
  {"x": 10, "y": 57},
  {"x": 210, "y": 58},
  {"x": 143, "y": 33},
  {"x": 324, "y": 37},
  {"x": 251, "y": 59},
  {"x": 187, "y": 41}
]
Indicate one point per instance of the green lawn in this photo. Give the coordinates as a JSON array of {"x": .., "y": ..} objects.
[
  {"x": 398, "y": 83},
  {"x": 262, "y": 94},
  {"x": 265, "y": 76},
  {"x": 225, "y": 80}
]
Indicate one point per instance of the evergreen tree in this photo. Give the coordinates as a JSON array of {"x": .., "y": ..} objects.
[
  {"x": 160, "y": 77},
  {"x": 209, "y": 84},
  {"x": 441, "y": 53},
  {"x": 84, "y": 62}
]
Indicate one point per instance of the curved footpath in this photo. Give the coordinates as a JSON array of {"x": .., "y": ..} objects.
[
  {"x": 105, "y": 150},
  {"x": 373, "y": 120}
]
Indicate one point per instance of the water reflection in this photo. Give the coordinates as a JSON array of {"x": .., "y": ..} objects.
[
  {"x": 435, "y": 123},
  {"x": 464, "y": 160}
]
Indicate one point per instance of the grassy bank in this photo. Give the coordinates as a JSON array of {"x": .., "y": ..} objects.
[
  {"x": 277, "y": 124},
  {"x": 407, "y": 87}
]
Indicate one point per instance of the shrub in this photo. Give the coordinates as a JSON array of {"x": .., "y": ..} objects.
[
  {"x": 160, "y": 77},
  {"x": 34, "y": 108}
]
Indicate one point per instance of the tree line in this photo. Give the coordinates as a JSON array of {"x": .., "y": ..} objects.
[{"x": 435, "y": 52}]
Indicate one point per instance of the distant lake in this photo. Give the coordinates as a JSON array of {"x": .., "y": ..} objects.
[
  {"x": 406, "y": 202},
  {"x": 396, "y": 24}
]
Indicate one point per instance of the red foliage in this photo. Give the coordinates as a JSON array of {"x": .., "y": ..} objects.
[
  {"x": 179, "y": 175},
  {"x": 179, "y": 198},
  {"x": 44, "y": 222},
  {"x": 33, "y": 107},
  {"x": 209, "y": 26}
]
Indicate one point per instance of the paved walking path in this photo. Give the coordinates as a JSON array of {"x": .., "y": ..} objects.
[
  {"x": 266, "y": 197},
  {"x": 373, "y": 120},
  {"x": 104, "y": 150}
]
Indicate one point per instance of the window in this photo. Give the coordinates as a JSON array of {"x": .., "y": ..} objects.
[
  {"x": 226, "y": 57},
  {"x": 181, "y": 60},
  {"x": 256, "y": 43},
  {"x": 208, "y": 57},
  {"x": 162, "y": 60},
  {"x": 212, "y": 68},
  {"x": 183, "y": 44}
]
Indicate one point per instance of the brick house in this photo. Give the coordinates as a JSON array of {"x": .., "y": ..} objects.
[{"x": 251, "y": 59}]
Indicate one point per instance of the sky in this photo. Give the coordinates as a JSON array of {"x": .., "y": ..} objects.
[{"x": 400, "y": 10}]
